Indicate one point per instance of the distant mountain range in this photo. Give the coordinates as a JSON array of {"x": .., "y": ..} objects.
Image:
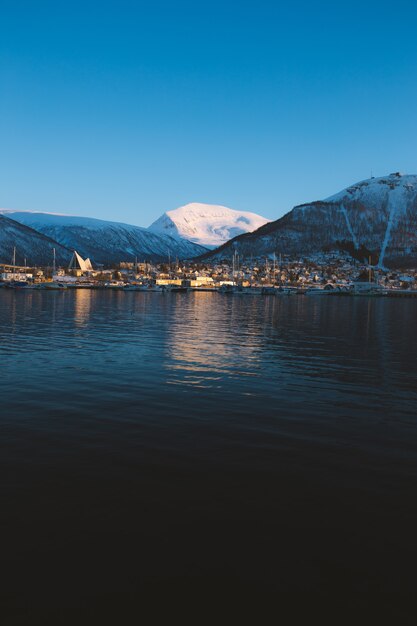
[
  {"x": 34, "y": 234},
  {"x": 206, "y": 224},
  {"x": 376, "y": 217},
  {"x": 184, "y": 233}
]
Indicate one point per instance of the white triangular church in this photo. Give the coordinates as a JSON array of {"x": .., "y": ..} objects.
[{"x": 78, "y": 263}]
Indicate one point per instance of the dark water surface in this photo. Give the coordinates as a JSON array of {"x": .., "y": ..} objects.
[{"x": 201, "y": 439}]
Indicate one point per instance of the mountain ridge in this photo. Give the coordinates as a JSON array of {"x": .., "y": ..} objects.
[
  {"x": 105, "y": 242},
  {"x": 378, "y": 215},
  {"x": 28, "y": 244}
]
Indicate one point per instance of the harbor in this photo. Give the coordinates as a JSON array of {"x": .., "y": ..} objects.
[{"x": 322, "y": 276}]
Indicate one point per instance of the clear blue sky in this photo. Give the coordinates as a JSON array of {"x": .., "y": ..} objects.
[{"x": 123, "y": 110}]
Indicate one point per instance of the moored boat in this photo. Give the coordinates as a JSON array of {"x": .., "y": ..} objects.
[
  {"x": 175, "y": 288},
  {"x": 52, "y": 286},
  {"x": 17, "y": 284}
]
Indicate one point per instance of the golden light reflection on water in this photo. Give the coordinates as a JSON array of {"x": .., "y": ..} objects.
[
  {"x": 82, "y": 306},
  {"x": 204, "y": 342}
]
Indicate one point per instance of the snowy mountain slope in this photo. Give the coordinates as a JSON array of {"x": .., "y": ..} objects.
[
  {"x": 103, "y": 241},
  {"x": 379, "y": 215},
  {"x": 31, "y": 245},
  {"x": 206, "y": 224}
]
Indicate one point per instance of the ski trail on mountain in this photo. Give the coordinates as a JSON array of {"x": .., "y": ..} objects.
[
  {"x": 349, "y": 226},
  {"x": 392, "y": 215}
]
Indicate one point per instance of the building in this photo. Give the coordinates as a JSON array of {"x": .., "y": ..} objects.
[
  {"x": 78, "y": 264},
  {"x": 10, "y": 276}
]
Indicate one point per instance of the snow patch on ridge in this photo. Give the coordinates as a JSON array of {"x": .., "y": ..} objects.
[{"x": 38, "y": 218}]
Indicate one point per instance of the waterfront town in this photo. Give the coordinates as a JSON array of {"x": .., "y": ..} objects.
[{"x": 323, "y": 274}]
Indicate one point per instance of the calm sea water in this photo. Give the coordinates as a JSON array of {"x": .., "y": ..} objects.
[{"x": 201, "y": 439}]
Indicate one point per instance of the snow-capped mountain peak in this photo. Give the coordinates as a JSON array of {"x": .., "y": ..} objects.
[
  {"x": 375, "y": 190},
  {"x": 206, "y": 224}
]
